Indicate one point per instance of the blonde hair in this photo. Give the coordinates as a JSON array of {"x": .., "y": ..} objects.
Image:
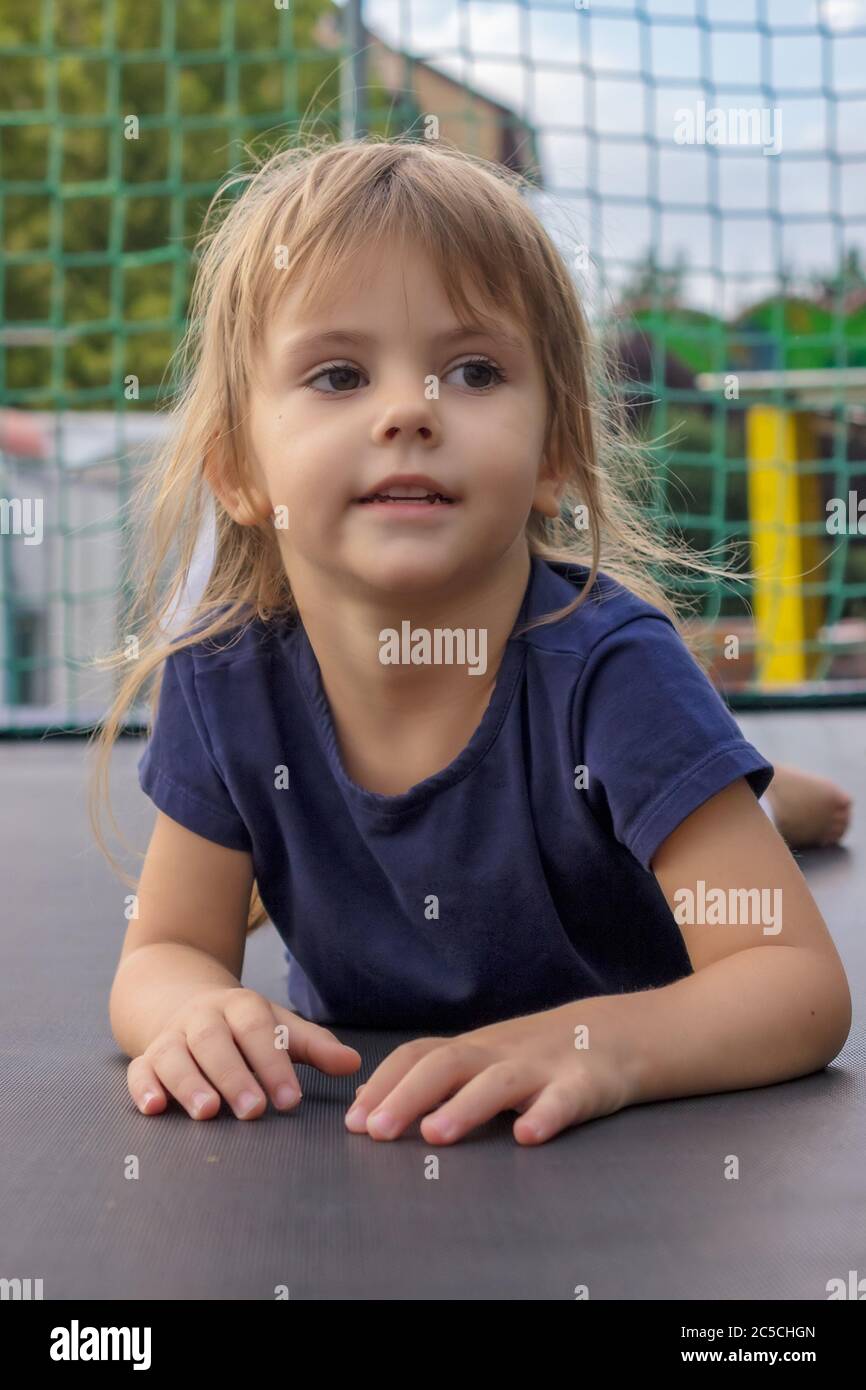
[{"x": 323, "y": 202}]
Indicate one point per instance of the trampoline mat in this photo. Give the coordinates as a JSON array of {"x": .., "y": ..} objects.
[{"x": 636, "y": 1205}]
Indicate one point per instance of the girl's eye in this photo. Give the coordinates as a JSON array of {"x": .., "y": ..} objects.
[
  {"x": 342, "y": 369},
  {"x": 485, "y": 365},
  {"x": 333, "y": 369}
]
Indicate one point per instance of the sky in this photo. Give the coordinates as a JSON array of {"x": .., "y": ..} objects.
[{"x": 628, "y": 71}]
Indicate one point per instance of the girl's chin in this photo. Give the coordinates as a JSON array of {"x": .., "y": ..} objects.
[{"x": 409, "y": 571}]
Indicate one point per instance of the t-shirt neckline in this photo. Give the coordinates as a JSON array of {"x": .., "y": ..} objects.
[{"x": 380, "y": 803}]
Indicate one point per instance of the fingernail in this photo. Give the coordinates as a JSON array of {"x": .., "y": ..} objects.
[
  {"x": 247, "y": 1101},
  {"x": 446, "y": 1129},
  {"x": 382, "y": 1124},
  {"x": 147, "y": 1098},
  {"x": 200, "y": 1100},
  {"x": 287, "y": 1095},
  {"x": 357, "y": 1116}
]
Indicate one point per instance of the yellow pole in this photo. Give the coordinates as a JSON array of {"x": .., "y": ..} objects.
[{"x": 782, "y": 497}]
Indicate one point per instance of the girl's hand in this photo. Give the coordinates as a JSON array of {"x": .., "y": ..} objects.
[
  {"x": 533, "y": 1064},
  {"x": 215, "y": 1042}
]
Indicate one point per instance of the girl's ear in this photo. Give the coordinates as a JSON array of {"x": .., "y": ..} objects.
[
  {"x": 548, "y": 491},
  {"x": 249, "y": 506}
]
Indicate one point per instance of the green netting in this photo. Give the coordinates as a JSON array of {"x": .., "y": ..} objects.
[{"x": 707, "y": 259}]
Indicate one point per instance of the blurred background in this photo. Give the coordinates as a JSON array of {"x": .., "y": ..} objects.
[{"x": 700, "y": 164}]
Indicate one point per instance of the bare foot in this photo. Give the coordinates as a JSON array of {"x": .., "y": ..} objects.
[{"x": 809, "y": 811}]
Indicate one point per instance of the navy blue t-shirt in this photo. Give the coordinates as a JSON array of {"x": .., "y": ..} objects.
[{"x": 508, "y": 882}]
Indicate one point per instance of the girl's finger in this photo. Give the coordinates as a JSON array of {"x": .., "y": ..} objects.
[
  {"x": 395, "y": 1067},
  {"x": 227, "y": 1047},
  {"x": 175, "y": 1068},
  {"x": 502, "y": 1086},
  {"x": 410, "y": 1082},
  {"x": 311, "y": 1043},
  {"x": 249, "y": 1035},
  {"x": 555, "y": 1109},
  {"x": 145, "y": 1088}
]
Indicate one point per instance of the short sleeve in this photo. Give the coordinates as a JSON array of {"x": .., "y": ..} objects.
[
  {"x": 177, "y": 769},
  {"x": 658, "y": 739}
]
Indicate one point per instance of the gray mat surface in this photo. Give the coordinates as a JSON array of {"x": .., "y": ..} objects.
[{"x": 634, "y": 1205}]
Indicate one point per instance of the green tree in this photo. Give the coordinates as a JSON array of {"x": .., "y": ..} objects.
[{"x": 98, "y": 228}]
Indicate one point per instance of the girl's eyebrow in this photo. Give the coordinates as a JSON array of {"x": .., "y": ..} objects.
[{"x": 294, "y": 346}]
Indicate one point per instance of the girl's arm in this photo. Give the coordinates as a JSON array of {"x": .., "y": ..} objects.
[
  {"x": 178, "y": 1008},
  {"x": 769, "y": 999},
  {"x": 189, "y": 933}
]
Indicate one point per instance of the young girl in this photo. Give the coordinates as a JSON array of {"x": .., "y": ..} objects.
[{"x": 457, "y": 741}]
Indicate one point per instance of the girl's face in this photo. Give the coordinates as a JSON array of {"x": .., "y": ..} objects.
[{"x": 391, "y": 391}]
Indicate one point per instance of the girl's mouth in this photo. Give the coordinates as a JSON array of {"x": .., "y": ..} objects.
[{"x": 432, "y": 499}]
